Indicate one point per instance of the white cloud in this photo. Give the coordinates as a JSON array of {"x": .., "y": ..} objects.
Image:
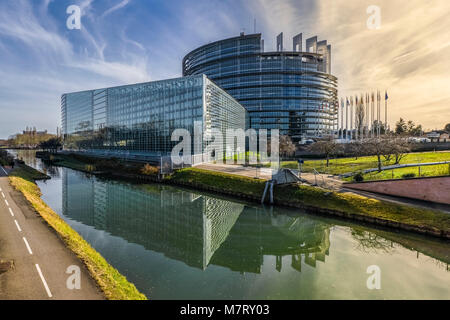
[
  {"x": 54, "y": 65},
  {"x": 118, "y": 6},
  {"x": 408, "y": 55}
]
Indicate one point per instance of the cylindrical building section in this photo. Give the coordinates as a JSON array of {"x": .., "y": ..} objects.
[{"x": 288, "y": 90}]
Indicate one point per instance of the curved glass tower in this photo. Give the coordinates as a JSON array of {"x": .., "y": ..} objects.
[{"x": 293, "y": 91}]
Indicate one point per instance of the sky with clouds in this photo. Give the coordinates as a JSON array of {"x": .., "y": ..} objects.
[{"x": 130, "y": 41}]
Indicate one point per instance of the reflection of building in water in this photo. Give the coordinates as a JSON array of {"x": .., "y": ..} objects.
[
  {"x": 192, "y": 228},
  {"x": 256, "y": 234},
  {"x": 182, "y": 225}
]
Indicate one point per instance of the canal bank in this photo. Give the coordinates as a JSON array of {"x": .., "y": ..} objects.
[
  {"x": 114, "y": 285},
  {"x": 314, "y": 199},
  {"x": 178, "y": 243}
]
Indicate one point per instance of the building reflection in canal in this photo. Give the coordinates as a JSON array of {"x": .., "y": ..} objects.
[{"x": 196, "y": 229}]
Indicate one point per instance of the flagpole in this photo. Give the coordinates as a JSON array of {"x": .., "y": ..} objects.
[
  {"x": 356, "y": 117},
  {"x": 351, "y": 118},
  {"x": 342, "y": 117},
  {"x": 363, "y": 127},
  {"x": 373, "y": 114},
  {"x": 385, "y": 112},
  {"x": 368, "y": 115},
  {"x": 346, "y": 118}
]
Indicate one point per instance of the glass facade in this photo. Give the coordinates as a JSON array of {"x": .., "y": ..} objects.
[
  {"x": 287, "y": 90},
  {"x": 195, "y": 229},
  {"x": 138, "y": 120}
]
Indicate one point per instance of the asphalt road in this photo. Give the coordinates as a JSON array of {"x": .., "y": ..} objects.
[{"x": 33, "y": 259}]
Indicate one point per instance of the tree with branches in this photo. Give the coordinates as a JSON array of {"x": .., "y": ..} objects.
[
  {"x": 287, "y": 147},
  {"x": 327, "y": 147},
  {"x": 378, "y": 147}
]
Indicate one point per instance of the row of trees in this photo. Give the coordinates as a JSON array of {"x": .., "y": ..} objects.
[
  {"x": 27, "y": 140},
  {"x": 408, "y": 128},
  {"x": 387, "y": 148}
]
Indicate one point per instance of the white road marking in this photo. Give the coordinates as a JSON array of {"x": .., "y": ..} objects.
[
  {"x": 3, "y": 195},
  {"x": 10, "y": 211},
  {"x": 4, "y": 170},
  {"x": 17, "y": 225},
  {"x": 43, "y": 281},
  {"x": 28, "y": 246},
  {"x": 6, "y": 201}
]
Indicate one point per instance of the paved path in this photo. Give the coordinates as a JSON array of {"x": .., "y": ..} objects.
[
  {"x": 33, "y": 260},
  {"x": 322, "y": 180}
]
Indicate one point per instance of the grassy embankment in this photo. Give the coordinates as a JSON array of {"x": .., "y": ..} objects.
[
  {"x": 98, "y": 165},
  {"x": 311, "y": 198},
  {"x": 114, "y": 285},
  {"x": 321, "y": 201},
  {"x": 344, "y": 165}
]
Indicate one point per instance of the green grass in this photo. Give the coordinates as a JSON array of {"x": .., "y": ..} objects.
[
  {"x": 344, "y": 165},
  {"x": 425, "y": 171},
  {"x": 114, "y": 285},
  {"x": 218, "y": 180},
  {"x": 314, "y": 197},
  {"x": 361, "y": 205}
]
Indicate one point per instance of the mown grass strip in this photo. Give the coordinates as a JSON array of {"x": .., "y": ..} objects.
[
  {"x": 400, "y": 173},
  {"x": 344, "y": 165},
  {"x": 114, "y": 285}
]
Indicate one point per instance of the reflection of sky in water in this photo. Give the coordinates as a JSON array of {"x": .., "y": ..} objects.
[{"x": 173, "y": 243}]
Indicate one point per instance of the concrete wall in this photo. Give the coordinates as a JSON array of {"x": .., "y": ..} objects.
[
  {"x": 430, "y": 146},
  {"x": 435, "y": 189}
]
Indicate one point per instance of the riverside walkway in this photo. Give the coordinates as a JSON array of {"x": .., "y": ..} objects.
[{"x": 33, "y": 259}]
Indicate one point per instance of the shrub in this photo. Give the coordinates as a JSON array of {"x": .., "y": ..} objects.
[
  {"x": 358, "y": 177},
  {"x": 149, "y": 170},
  {"x": 408, "y": 175}
]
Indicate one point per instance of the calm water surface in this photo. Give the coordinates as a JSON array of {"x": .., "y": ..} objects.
[{"x": 175, "y": 243}]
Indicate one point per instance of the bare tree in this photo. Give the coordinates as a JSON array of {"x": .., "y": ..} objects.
[
  {"x": 326, "y": 147},
  {"x": 378, "y": 147},
  {"x": 356, "y": 149},
  {"x": 287, "y": 147},
  {"x": 400, "y": 148}
]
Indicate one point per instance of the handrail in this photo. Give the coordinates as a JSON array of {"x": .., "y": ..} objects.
[{"x": 396, "y": 166}]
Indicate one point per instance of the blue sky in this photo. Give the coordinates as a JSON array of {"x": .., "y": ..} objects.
[{"x": 129, "y": 41}]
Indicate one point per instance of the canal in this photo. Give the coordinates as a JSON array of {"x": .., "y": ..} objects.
[{"x": 176, "y": 243}]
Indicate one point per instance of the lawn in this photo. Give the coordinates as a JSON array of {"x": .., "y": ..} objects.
[
  {"x": 344, "y": 165},
  {"x": 425, "y": 171}
]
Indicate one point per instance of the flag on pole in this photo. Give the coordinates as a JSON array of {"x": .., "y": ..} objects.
[{"x": 386, "y": 96}]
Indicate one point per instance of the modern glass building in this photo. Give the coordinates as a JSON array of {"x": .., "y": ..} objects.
[
  {"x": 293, "y": 91},
  {"x": 137, "y": 121},
  {"x": 206, "y": 231}
]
